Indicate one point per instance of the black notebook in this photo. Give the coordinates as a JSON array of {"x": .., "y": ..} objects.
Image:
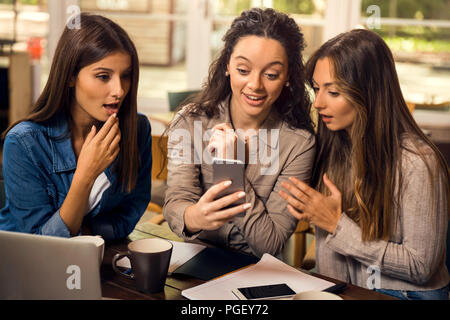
[{"x": 211, "y": 263}]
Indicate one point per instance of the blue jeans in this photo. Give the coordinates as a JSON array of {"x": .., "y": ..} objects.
[{"x": 438, "y": 294}]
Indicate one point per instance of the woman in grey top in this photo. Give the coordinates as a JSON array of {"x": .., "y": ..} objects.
[
  {"x": 382, "y": 222},
  {"x": 256, "y": 98}
]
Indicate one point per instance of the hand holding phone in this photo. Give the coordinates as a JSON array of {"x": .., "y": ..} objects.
[
  {"x": 216, "y": 207},
  {"x": 232, "y": 170}
]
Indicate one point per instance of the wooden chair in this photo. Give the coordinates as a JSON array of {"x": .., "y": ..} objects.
[
  {"x": 303, "y": 257},
  {"x": 411, "y": 106},
  {"x": 159, "y": 153},
  {"x": 159, "y": 169},
  {"x": 309, "y": 260},
  {"x": 428, "y": 106}
]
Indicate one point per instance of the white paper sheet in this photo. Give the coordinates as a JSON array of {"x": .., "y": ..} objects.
[
  {"x": 181, "y": 253},
  {"x": 269, "y": 270}
]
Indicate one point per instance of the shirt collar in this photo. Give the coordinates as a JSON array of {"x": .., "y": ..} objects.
[
  {"x": 63, "y": 156},
  {"x": 272, "y": 124}
]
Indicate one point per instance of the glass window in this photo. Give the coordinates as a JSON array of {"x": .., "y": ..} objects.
[
  {"x": 26, "y": 24},
  {"x": 302, "y": 7},
  {"x": 29, "y": 20},
  {"x": 308, "y": 14},
  {"x": 158, "y": 30},
  {"x": 418, "y": 33},
  {"x": 410, "y": 9}
]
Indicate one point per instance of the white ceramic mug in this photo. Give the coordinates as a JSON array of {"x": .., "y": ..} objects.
[
  {"x": 98, "y": 241},
  {"x": 316, "y": 295}
]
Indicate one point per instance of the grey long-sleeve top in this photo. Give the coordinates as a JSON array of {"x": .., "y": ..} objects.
[
  {"x": 267, "y": 225},
  {"x": 414, "y": 256}
]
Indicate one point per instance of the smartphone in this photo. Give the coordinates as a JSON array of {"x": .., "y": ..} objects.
[
  {"x": 273, "y": 291},
  {"x": 234, "y": 170}
]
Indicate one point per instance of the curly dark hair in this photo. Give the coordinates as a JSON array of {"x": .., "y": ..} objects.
[{"x": 293, "y": 105}]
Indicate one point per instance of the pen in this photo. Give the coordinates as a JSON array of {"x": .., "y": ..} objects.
[
  {"x": 127, "y": 271},
  {"x": 336, "y": 288}
]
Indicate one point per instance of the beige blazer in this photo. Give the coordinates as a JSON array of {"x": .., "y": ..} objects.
[{"x": 267, "y": 225}]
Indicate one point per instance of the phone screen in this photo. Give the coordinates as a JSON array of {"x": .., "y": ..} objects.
[
  {"x": 233, "y": 170},
  {"x": 269, "y": 291}
]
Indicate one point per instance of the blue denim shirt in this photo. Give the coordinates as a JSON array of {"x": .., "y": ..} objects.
[{"x": 38, "y": 167}]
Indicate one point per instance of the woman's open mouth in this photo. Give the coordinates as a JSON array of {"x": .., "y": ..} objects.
[
  {"x": 254, "y": 100},
  {"x": 111, "y": 108},
  {"x": 326, "y": 118}
]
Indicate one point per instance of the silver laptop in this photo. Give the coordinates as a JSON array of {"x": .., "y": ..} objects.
[{"x": 44, "y": 267}]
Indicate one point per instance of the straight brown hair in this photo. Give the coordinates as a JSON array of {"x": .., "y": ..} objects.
[
  {"x": 79, "y": 46},
  {"x": 366, "y": 164}
]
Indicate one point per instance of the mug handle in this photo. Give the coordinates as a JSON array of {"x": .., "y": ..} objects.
[{"x": 117, "y": 257}]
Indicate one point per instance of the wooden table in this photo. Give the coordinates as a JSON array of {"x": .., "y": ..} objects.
[{"x": 117, "y": 287}]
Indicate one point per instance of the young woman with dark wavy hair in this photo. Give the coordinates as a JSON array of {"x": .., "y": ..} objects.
[
  {"x": 254, "y": 97},
  {"x": 81, "y": 160},
  {"x": 380, "y": 202}
]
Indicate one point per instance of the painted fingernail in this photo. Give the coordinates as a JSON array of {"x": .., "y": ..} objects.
[
  {"x": 114, "y": 115},
  {"x": 241, "y": 194},
  {"x": 246, "y": 206},
  {"x": 227, "y": 183}
]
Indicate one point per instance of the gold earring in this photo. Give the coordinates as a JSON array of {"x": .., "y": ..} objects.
[
  {"x": 227, "y": 73},
  {"x": 287, "y": 84}
]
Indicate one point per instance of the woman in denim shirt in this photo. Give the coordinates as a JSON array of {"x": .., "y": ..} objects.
[{"x": 82, "y": 159}]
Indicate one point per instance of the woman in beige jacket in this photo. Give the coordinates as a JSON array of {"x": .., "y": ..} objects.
[
  {"x": 381, "y": 201},
  {"x": 255, "y": 97}
]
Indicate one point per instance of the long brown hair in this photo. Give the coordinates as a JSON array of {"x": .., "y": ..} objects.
[
  {"x": 95, "y": 38},
  {"x": 365, "y": 164},
  {"x": 293, "y": 105}
]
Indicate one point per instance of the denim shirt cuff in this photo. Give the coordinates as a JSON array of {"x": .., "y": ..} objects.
[{"x": 55, "y": 226}]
